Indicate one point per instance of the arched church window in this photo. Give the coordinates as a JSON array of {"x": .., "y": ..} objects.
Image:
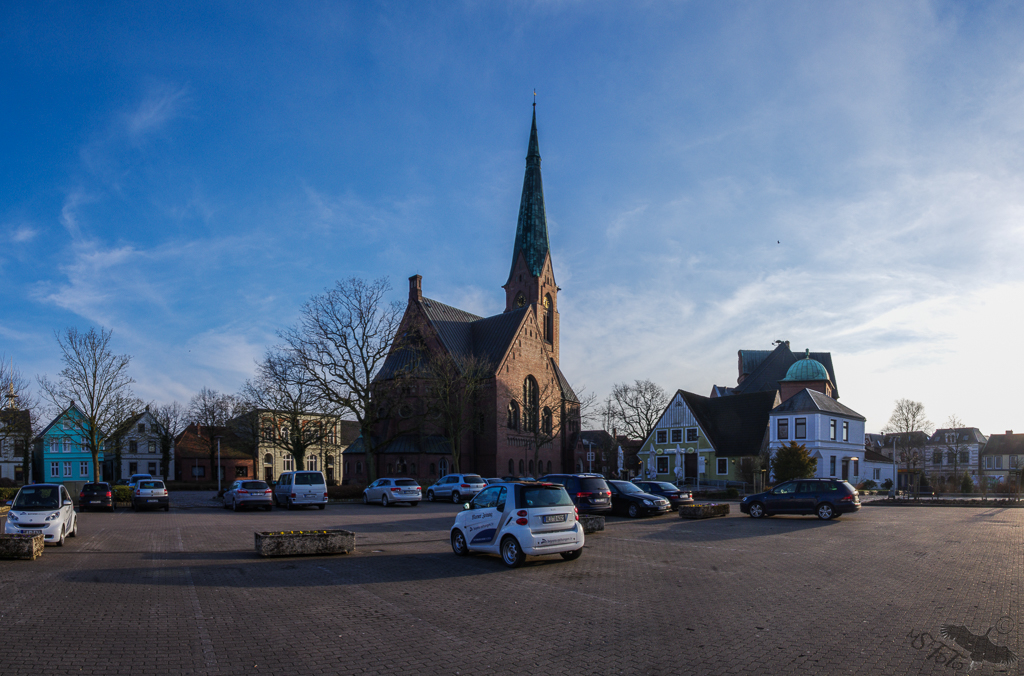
[
  {"x": 530, "y": 404},
  {"x": 443, "y": 464},
  {"x": 549, "y": 319},
  {"x": 546, "y": 421},
  {"x": 513, "y": 415},
  {"x": 511, "y": 466},
  {"x": 521, "y": 468}
]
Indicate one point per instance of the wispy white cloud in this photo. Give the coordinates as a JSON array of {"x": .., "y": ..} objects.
[
  {"x": 162, "y": 103},
  {"x": 23, "y": 234}
]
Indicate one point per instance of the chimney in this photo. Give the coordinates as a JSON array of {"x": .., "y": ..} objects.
[
  {"x": 416, "y": 288},
  {"x": 1009, "y": 431}
]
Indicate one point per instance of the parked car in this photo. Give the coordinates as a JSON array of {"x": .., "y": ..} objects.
[
  {"x": 44, "y": 509},
  {"x": 627, "y": 498},
  {"x": 589, "y": 492},
  {"x": 391, "y": 491},
  {"x": 518, "y": 478},
  {"x": 136, "y": 478},
  {"x": 546, "y": 522},
  {"x": 296, "y": 489},
  {"x": 121, "y": 482},
  {"x": 494, "y": 480},
  {"x": 96, "y": 496},
  {"x": 150, "y": 493},
  {"x": 675, "y": 495},
  {"x": 828, "y": 498},
  {"x": 248, "y": 493},
  {"x": 456, "y": 487}
]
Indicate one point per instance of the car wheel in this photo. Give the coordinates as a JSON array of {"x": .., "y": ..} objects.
[
  {"x": 633, "y": 510},
  {"x": 511, "y": 553},
  {"x": 430, "y": 496},
  {"x": 321, "y": 506},
  {"x": 756, "y": 510},
  {"x": 234, "y": 505},
  {"x": 384, "y": 500},
  {"x": 456, "y": 498},
  {"x": 167, "y": 507},
  {"x": 826, "y": 511},
  {"x": 74, "y": 529},
  {"x": 459, "y": 543},
  {"x": 413, "y": 504},
  {"x": 288, "y": 503},
  {"x": 573, "y": 555},
  {"x": 60, "y": 542}
]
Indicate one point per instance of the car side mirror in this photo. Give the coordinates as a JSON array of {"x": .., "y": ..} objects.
[
  {"x": 68, "y": 503},
  {"x": 465, "y": 506},
  {"x": 9, "y": 503}
]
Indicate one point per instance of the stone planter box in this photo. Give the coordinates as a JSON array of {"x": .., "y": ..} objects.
[
  {"x": 29, "y": 547},
  {"x": 703, "y": 511},
  {"x": 305, "y": 543},
  {"x": 591, "y": 523}
]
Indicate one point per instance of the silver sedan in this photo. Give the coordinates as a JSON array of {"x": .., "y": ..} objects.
[
  {"x": 389, "y": 491},
  {"x": 248, "y": 494}
]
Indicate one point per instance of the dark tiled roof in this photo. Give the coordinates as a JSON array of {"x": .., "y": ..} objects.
[
  {"x": 452, "y": 325},
  {"x": 13, "y": 418},
  {"x": 532, "y": 229},
  {"x": 773, "y": 368},
  {"x": 735, "y": 425},
  {"x": 1004, "y": 444},
  {"x": 567, "y": 392},
  {"x": 751, "y": 359},
  {"x": 403, "y": 361},
  {"x": 966, "y": 435},
  {"x": 808, "y": 400},
  {"x": 195, "y": 443},
  {"x": 406, "y": 444},
  {"x": 493, "y": 336},
  {"x": 875, "y": 456},
  {"x": 598, "y": 438}
]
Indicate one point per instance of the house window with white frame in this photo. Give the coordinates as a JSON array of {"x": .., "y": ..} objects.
[
  {"x": 67, "y": 445},
  {"x": 54, "y": 446},
  {"x": 846, "y": 431},
  {"x": 800, "y": 428},
  {"x": 832, "y": 429},
  {"x": 288, "y": 464},
  {"x": 152, "y": 447},
  {"x": 782, "y": 431},
  {"x": 67, "y": 468},
  {"x": 876, "y": 474},
  {"x": 722, "y": 466},
  {"x": 662, "y": 464},
  {"x": 993, "y": 462},
  {"x": 677, "y": 436},
  {"x": 855, "y": 466},
  {"x": 55, "y": 469},
  {"x": 691, "y": 435},
  {"x": 662, "y": 436},
  {"x": 83, "y": 468},
  {"x": 133, "y": 446},
  {"x": 965, "y": 457},
  {"x": 1013, "y": 462}
]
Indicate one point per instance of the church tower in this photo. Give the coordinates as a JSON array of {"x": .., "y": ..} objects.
[{"x": 531, "y": 280}]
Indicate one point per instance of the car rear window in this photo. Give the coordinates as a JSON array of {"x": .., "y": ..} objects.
[
  {"x": 592, "y": 484},
  {"x": 545, "y": 496},
  {"x": 309, "y": 479},
  {"x": 37, "y": 498},
  {"x": 405, "y": 482},
  {"x": 665, "y": 486},
  {"x": 151, "y": 484},
  {"x": 474, "y": 479},
  {"x": 95, "y": 488},
  {"x": 254, "y": 485}
]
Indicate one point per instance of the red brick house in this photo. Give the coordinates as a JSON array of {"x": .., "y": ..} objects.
[
  {"x": 524, "y": 398},
  {"x": 192, "y": 455}
]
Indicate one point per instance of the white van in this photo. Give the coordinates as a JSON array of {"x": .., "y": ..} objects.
[{"x": 300, "y": 488}]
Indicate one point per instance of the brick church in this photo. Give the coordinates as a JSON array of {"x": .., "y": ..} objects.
[{"x": 525, "y": 414}]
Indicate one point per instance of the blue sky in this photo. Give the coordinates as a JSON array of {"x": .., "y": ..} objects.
[{"x": 847, "y": 176}]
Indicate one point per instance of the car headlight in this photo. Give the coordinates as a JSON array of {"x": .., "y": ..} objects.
[
  {"x": 55, "y": 515},
  {"x": 648, "y": 503},
  {"x": 11, "y": 517}
]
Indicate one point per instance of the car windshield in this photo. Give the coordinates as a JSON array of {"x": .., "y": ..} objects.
[
  {"x": 627, "y": 487},
  {"x": 37, "y": 498},
  {"x": 309, "y": 479},
  {"x": 546, "y": 496},
  {"x": 151, "y": 484},
  {"x": 593, "y": 484},
  {"x": 474, "y": 479},
  {"x": 255, "y": 485},
  {"x": 405, "y": 482}
]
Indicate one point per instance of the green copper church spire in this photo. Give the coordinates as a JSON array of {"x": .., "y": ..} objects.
[{"x": 532, "y": 230}]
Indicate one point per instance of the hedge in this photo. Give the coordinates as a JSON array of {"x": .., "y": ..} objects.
[
  {"x": 8, "y": 493},
  {"x": 122, "y": 494}
]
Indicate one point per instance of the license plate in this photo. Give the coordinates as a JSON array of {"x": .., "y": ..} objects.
[
  {"x": 151, "y": 500},
  {"x": 94, "y": 502},
  {"x": 31, "y": 532},
  {"x": 600, "y": 500},
  {"x": 553, "y": 518}
]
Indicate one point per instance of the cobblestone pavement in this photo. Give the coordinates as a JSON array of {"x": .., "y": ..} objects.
[
  {"x": 193, "y": 499},
  {"x": 183, "y": 593}
]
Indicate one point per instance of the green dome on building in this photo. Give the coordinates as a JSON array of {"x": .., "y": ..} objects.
[{"x": 806, "y": 369}]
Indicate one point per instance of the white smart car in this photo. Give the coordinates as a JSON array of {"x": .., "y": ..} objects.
[
  {"x": 44, "y": 509},
  {"x": 516, "y": 520}
]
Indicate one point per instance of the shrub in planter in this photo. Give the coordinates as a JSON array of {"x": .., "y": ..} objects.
[{"x": 122, "y": 494}]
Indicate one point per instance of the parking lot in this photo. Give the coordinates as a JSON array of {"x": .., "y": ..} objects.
[{"x": 183, "y": 593}]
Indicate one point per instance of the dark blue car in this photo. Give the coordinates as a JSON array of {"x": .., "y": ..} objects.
[{"x": 828, "y": 498}]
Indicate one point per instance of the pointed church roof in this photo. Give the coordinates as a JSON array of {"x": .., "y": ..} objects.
[{"x": 532, "y": 230}]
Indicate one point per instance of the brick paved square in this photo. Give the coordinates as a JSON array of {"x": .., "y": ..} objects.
[{"x": 184, "y": 593}]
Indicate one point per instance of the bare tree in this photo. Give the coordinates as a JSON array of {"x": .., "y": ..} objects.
[
  {"x": 293, "y": 416},
  {"x": 955, "y": 446},
  {"x": 17, "y": 415},
  {"x": 173, "y": 418},
  {"x": 342, "y": 339},
  {"x": 454, "y": 383},
  {"x": 211, "y": 409},
  {"x": 910, "y": 426},
  {"x": 635, "y": 409},
  {"x": 96, "y": 380}
]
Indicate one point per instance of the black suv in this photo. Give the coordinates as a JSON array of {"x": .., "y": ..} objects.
[
  {"x": 589, "y": 492},
  {"x": 828, "y": 498}
]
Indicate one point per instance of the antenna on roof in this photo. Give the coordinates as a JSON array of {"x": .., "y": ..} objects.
[{"x": 535, "y": 98}]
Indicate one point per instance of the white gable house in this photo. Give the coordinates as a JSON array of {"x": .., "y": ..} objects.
[{"x": 831, "y": 432}]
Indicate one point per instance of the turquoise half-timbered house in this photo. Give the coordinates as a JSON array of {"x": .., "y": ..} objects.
[{"x": 62, "y": 451}]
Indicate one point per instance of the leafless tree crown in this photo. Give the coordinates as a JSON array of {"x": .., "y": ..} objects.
[{"x": 634, "y": 409}]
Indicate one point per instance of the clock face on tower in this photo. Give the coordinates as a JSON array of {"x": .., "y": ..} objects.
[
  {"x": 547, "y": 302},
  {"x": 520, "y": 300}
]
